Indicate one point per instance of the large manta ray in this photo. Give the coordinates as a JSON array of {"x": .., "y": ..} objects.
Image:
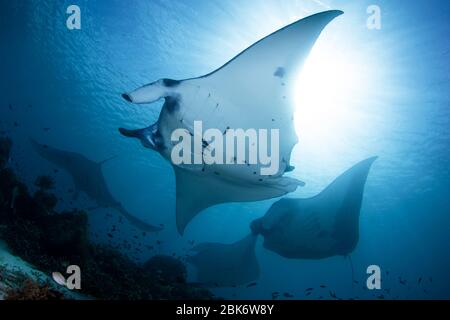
[
  {"x": 251, "y": 91},
  {"x": 88, "y": 177},
  {"x": 319, "y": 227}
]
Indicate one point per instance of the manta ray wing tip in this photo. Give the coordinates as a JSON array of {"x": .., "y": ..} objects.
[
  {"x": 336, "y": 13},
  {"x": 371, "y": 160}
]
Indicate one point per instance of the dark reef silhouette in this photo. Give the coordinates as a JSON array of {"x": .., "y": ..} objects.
[{"x": 34, "y": 231}]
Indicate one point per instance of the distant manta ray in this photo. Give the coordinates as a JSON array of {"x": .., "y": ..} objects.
[
  {"x": 88, "y": 177},
  {"x": 252, "y": 91},
  {"x": 226, "y": 265},
  {"x": 319, "y": 227}
]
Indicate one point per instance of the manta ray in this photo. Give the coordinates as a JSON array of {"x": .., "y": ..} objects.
[
  {"x": 319, "y": 227},
  {"x": 226, "y": 265},
  {"x": 251, "y": 91},
  {"x": 88, "y": 177}
]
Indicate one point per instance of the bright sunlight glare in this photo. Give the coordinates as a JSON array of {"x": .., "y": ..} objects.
[{"x": 329, "y": 89}]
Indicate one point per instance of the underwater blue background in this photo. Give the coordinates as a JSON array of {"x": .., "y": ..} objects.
[{"x": 71, "y": 81}]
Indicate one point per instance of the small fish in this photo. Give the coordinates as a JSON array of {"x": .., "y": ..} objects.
[
  {"x": 323, "y": 286},
  {"x": 16, "y": 124},
  {"x": 308, "y": 293},
  {"x": 381, "y": 297},
  {"x": 46, "y": 129},
  {"x": 419, "y": 280},
  {"x": 309, "y": 289},
  {"x": 158, "y": 242},
  {"x": 110, "y": 235},
  {"x": 288, "y": 295},
  {"x": 431, "y": 279},
  {"x": 355, "y": 281},
  {"x": 59, "y": 278},
  {"x": 252, "y": 284},
  {"x": 332, "y": 294}
]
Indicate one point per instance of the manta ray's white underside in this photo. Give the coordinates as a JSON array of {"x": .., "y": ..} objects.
[{"x": 252, "y": 91}]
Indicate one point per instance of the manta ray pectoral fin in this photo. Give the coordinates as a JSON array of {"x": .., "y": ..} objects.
[
  {"x": 108, "y": 159},
  {"x": 139, "y": 224},
  {"x": 197, "y": 191}
]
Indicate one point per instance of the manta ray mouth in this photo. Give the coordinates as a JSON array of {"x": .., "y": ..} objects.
[{"x": 149, "y": 136}]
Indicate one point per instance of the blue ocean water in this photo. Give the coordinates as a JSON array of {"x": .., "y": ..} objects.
[{"x": 398, "y": 108}]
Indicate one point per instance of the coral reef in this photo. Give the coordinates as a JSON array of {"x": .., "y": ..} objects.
[
  {"x": 168, "y": 269},
  {"x": 32, "y": 290},
  {"x": 51, "y": 240}
]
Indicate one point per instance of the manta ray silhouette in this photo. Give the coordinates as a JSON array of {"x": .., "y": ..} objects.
[
  {"x": 252, "y": 91},
  {"x": 314, "y": 228},
  {"x": 88, "y": 177},
  {"x": 226, "y": 265},
  {"x": 319, "y": 227}
]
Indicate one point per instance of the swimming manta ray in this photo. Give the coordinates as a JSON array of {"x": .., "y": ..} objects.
[
  {"x": 88, "y": 177},
  {"x": 226, "y": 265},
  {"x": 252, "y": 91},
  {"x": 320, "y": 227}
]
